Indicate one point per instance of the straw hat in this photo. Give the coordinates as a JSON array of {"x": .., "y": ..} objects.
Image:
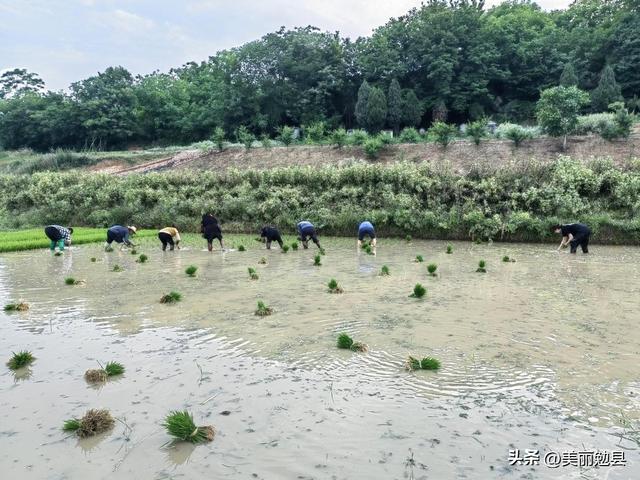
[{"x": 132, "y": 228}]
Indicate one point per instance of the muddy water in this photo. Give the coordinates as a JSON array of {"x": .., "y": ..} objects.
[{"x": 541, "y": 354}]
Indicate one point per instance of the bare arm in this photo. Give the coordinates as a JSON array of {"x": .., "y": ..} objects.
[{"x": 565, "y": 241}]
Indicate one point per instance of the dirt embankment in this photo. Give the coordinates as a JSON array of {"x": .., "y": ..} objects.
[{"x": 461, "y": 155}]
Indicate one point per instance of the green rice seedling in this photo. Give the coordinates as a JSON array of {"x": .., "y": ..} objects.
[
  {"x": 241, "y": 248},
  {"x": 114, "y": 368},
  {"x": 322, "y": 252},
  {"x": 429, "y": 363},
  {"x": 142, "y": 258},
  {"x": 408, "y": 238},
  {"x": 16, "y": 307},
  {"x": 263, "y": 309},
  {"x": 432, "y": 268},
  {"x": 419, "y": 259},
  {"x": 20, "y": 359},
  {"x": 118, "y": 268},
  {"x": 295, "y": 246},
  {"x": 93, "y": 423},
  {"x": 191, "y": 270},
  {"x": 285, "y": 248},
  {"x": 508, "y": 259},
  {"x": 384, "y": 271},
  {"x": 418, "y": 291},
  {"x": 94, "y": 259},
  {"x": 134, "y": 251},
  {"x": 412, "y": 363},
  {"x": 368, "y": 250},
  {"x": 253, "y": 275},
  {"x": 263, "y": 261},
  {"x": 334, "y": 287},
  {"x": 171, "y": 297},
  {"x": 482, "y": 267},
  {"x": 317, "y": 261},
  {"x": 359, "y": 347},
  {"x": 108, "y": 249},
  {"x": 181, "y": 426},
  {"x": 71, "y": 281},
  {"x": 345, "y": 341},
  {"x": 449, "y": 249}
]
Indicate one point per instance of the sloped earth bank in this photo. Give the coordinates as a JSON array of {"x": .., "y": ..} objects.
[{"x": 537, "y": 354}]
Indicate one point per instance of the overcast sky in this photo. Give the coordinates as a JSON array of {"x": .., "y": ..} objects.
[{"x": 68, "y": 40}]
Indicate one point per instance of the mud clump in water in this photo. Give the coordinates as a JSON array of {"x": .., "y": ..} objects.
[
  {"x": 93, "y": 423},
  {"x": 16, "y": 307},
  {"x": 96, "y": 375}
]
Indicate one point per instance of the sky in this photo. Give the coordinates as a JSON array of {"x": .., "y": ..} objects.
[{"x": 69, "y": 40}]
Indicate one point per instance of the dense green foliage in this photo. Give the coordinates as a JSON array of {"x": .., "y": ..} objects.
[
  {"x": 424, "y": 201},
  {"x": 449, "y": 60}
]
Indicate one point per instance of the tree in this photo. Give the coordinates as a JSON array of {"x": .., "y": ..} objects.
[
  {"x": 412, "y": 109},
  {"x": 477, "y": 130},
  {"x": 17, "y": 82},
  {"x": 362, "y": 104},
  {"x": 558, "y": 110},
  {"x": 219, "y": 138},
  {"x": 607, "y": 91},
  {"x": 245, "y": 137},
  {"x": 376, "y": 110},
  {"x": 286, "y": 135},
  {"x": 569, "y": 77},
  {"x": 394, "y": 106},
  {"x": 443, "y": 133}
]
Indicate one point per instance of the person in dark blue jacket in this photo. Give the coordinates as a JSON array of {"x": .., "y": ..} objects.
[
  {"x": 573, "y": 234},
  {"x": 271, "y": 234},
  {"x": 307, "y": 231},
  {"x": 366, "y": 230},
  {"x": 120, "y": 234}
]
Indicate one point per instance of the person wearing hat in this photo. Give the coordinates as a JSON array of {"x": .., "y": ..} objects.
[
  {"x": 169, "y": 236},
  {"x": 59, "y": 236},
  {"x": 120, "y": 234},
  {"x": 573, "y": 234},
  {"x": 210, "y": 229}
]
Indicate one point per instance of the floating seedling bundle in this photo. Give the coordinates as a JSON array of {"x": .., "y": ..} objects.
[
  {"x": 347, "y": 343},
  {"x": 263, "y": 309},
  {"x": 181, "y": 426},
  {"x": 93, "y": 423},
  {"x": 418, "y": 291},
  {"x": 317, "y": 261},
  {"x": 99, "y": 375},
  {"x": 171, "y": 297},
  {"x": 142, "y": 258},
  {"x": 73, "y": 281},
  {"x": 432, "y": 268},
  {"x": 20, "y": 359},
  {"x": 427, "y": 363},
  {"x": 191, "y": 270},
  {"x": 253, "y": 275},
  {"x": 334, "y": 287},
  {"x": 16, "y": 307},
  {"x": 419, "y": 259},
  {"x": 482, "y": 267},
  {"x": 384, "y": 271}
]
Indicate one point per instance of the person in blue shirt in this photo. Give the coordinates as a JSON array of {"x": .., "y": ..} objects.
[
  {"x": 366, "y": 230},
  {"x": 307, "y": 231},
  {"x": 58, "y": 236},
  {"x": 120, "y": 234}
]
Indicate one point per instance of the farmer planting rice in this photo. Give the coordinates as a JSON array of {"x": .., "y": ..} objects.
[
  {"x": 366, "y": 230},
  {"x": 307, "y": 231},
  {"x": 169, "y": 236},
  {"x": 59, "y": 236},
  {"x": 269, "y": 234},
  {"x": 120, "y": 234},
  {"x": 210, "y": 230},
  {"x": 573, "y": 234}
]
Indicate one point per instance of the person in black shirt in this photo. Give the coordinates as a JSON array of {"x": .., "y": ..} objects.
[
  {"x": 269, "y": 234},
  {"x": 573, "y": 234},
  {"x": 211, "y": 229}
]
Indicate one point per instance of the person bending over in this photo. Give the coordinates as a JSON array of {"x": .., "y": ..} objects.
[
  {"x": 573, "y": 234},
  {"x": 307, "y": 231},
  {"x": 59, "y": 236},
  {"x": 120, "y": 234},
  {"x": 169, "y": 236},
  {"x": 366, "y": 230},
  {"x": 211, "y": 229},
  {"x": 270, "y": 234}
]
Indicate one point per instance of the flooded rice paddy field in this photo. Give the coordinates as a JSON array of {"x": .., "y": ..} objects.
[{"x": 538, "y": 354}]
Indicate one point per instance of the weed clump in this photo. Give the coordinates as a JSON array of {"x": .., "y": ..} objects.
[
  {"x": 117, "y": 268},
  {"x": 482, "y": 267},
  {"x": 252, "y": 273},
  {"x": 263, "y": 309},
  {"x": 427, "y": 363},
  {"x": 16, "y": 307},
  {"x": 181, "y": 426},
  {"x": 294, "y": 245},
  {"x": 285, "y": 248},
  {"x": 334, "y": 287},
  {"x": 191, "y": 270},
  {"x": 93, "y": 423},
  {"x": 418, "y": 291},
  {"x": 384, "y": 271},
  {"x": 241, "y": 248},
  {"x": 263, "y": 261},
  {"x": 449, "y": 249},
  {"x": 432, "y": 268},
  {"x": 20, "y": 359},
  {"x": 508, "y": 259},
  {"x": 344, "y": 341},
  {"x": 142, "y": 258},
  {"x": 419, "y": 259},
  {"x": 171, "y": 297},
  {"x": 317, "y": 261}
]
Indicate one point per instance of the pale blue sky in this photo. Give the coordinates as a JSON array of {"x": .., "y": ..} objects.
[{"x": 68, "y": 40}]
